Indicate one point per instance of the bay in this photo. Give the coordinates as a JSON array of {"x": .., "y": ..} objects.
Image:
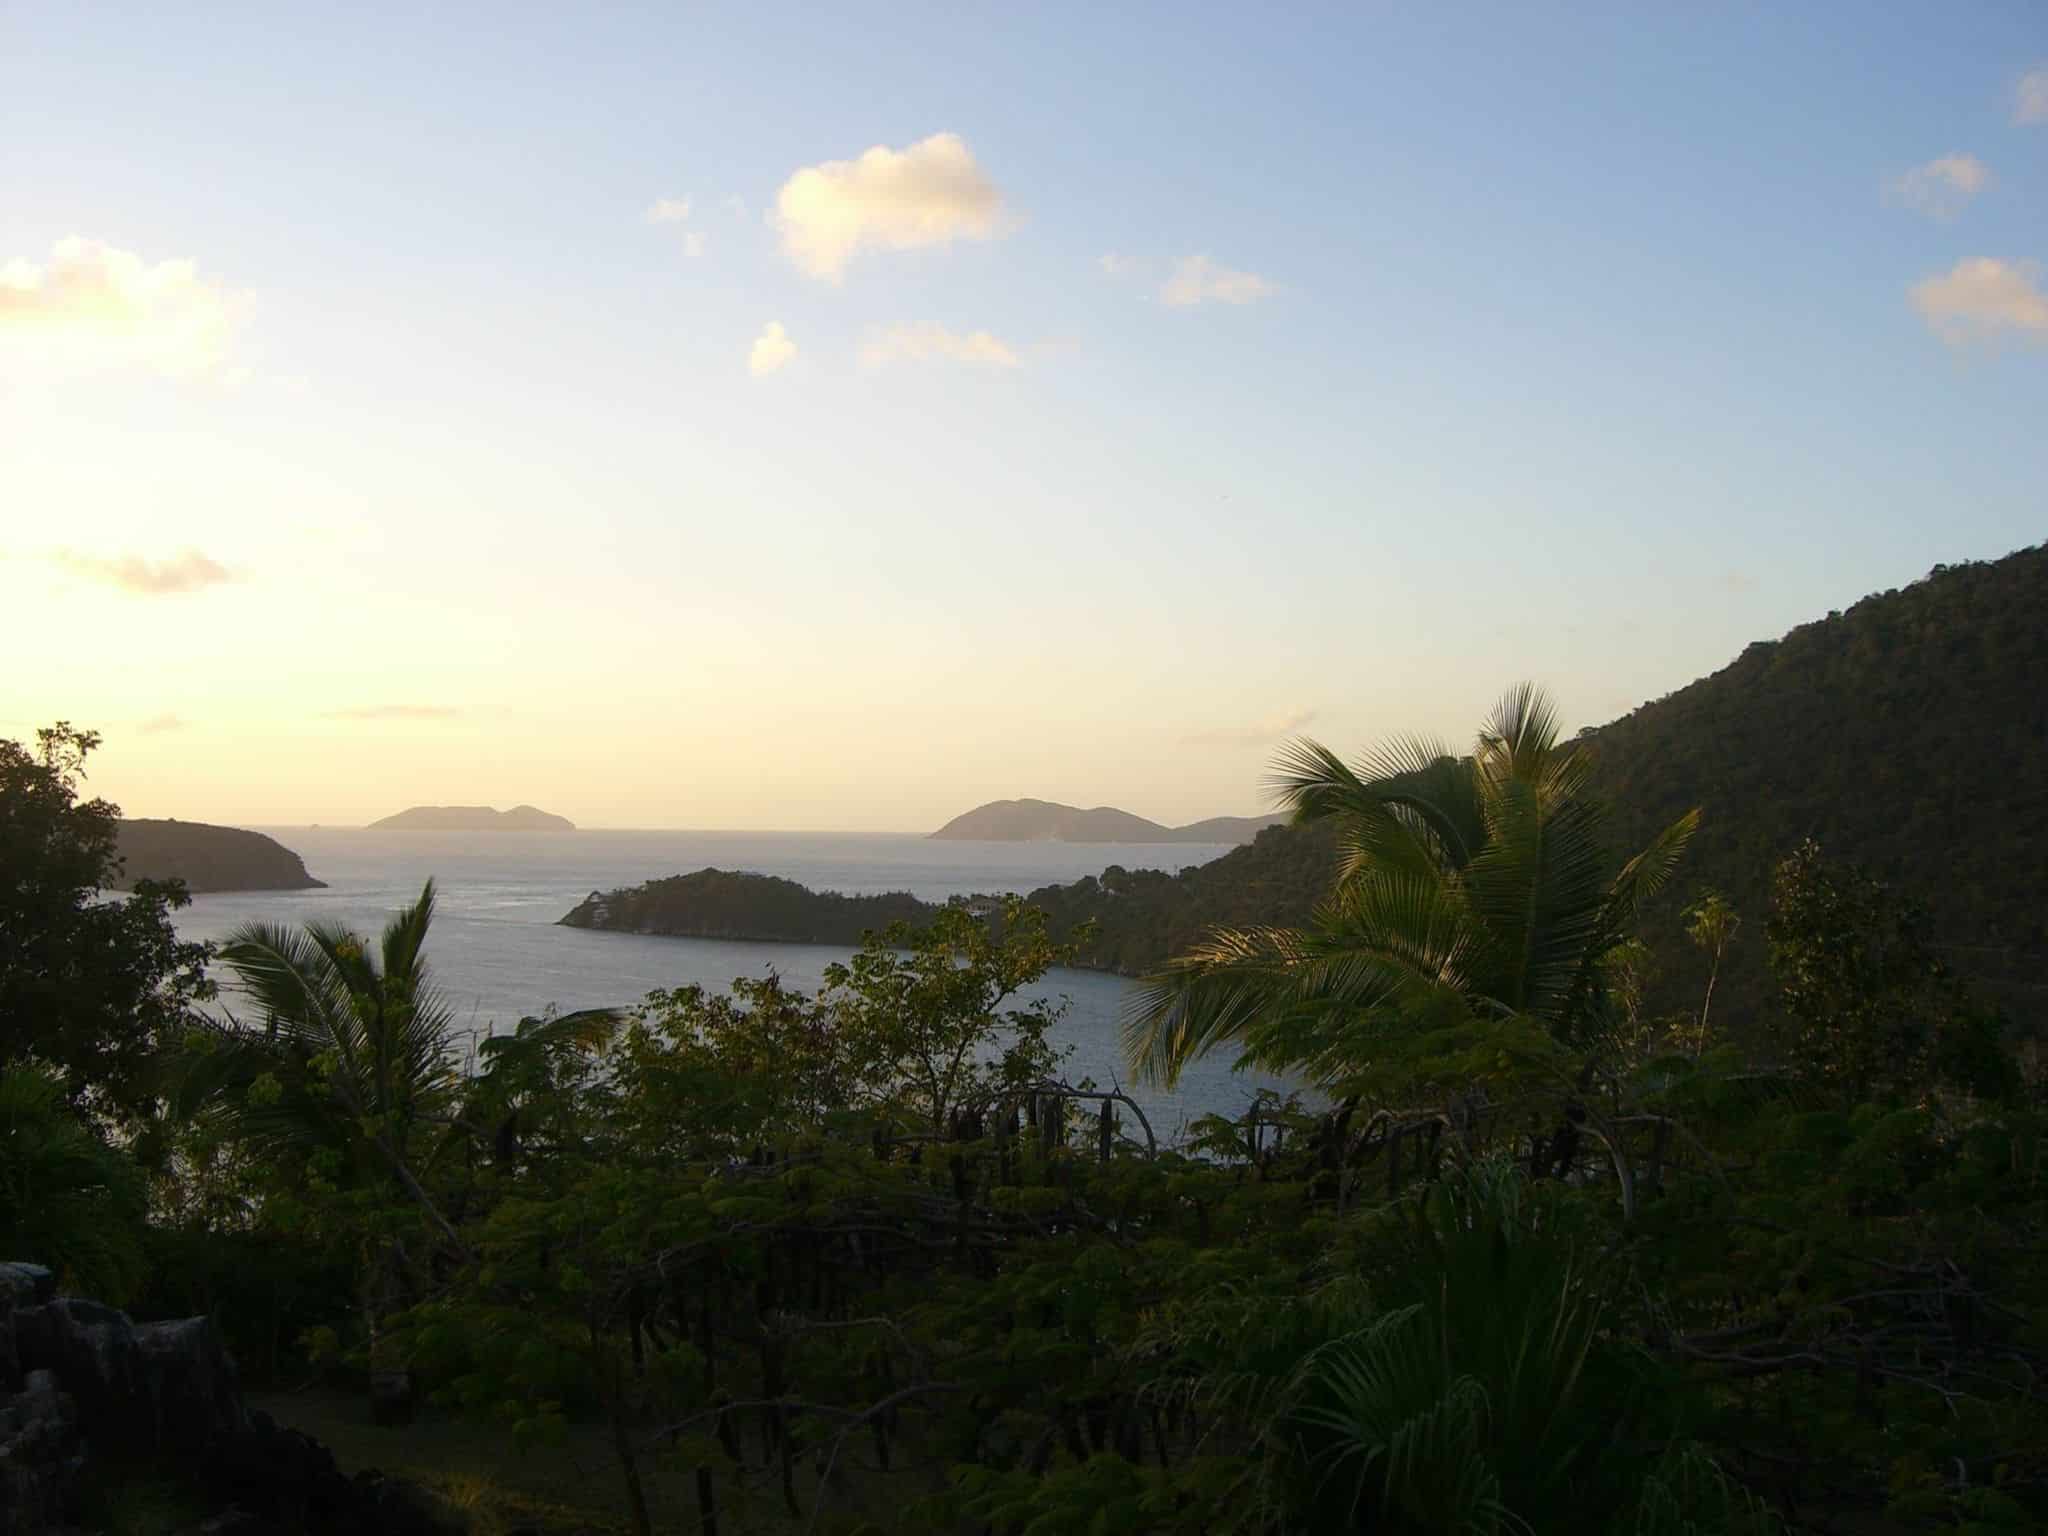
[{"x": 499, "y": 956}]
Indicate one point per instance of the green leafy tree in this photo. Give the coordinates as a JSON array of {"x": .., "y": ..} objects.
[
  {"x": 1868, "y": 1001},
  {"x": 89, "y": 987},
  {"x": 67, "y": 1198},
  {"x": 1475, "y": 885},
  {"x": 928, "y": 1010}
]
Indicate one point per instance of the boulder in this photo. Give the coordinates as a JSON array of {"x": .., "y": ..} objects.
[
  {"x": 196, "y": 1397},
  {"x": 42, "y": 1457},
  {"x": 79, "y": 1380}
]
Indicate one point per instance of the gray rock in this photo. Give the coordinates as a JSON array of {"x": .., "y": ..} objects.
[
  {"x": 91, "y": 1350},
  {"x": 42, "y": 1457},
  {"x": 26, "y": 1285},
  {"x": 78, "y": 1380},
  {"x": 196, "y": 1395}
]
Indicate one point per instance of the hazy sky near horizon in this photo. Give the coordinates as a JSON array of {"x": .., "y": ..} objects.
[{"x": 832, "y": 417}]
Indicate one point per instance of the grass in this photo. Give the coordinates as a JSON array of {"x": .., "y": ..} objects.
[{"x": 569, "y": 1486}]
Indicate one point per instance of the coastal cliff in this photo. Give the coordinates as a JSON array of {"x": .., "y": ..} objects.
[{"x": 208, "y": 858}]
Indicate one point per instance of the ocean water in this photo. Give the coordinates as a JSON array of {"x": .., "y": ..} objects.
[{"x": 498, "y": 955}]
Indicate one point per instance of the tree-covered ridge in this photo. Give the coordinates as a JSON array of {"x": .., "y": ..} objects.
[
  {"x": 1905, "y": 734},
  {"x": 1143, "y": 917},
  {"x": 735, "y": 904}
]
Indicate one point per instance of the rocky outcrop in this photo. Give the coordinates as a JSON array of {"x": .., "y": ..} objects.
[{"x": 82, "y": 1388}]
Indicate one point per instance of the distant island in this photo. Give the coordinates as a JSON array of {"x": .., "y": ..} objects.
[
  {"x": 730, "y": 904},
  {"x": 473, "y": 818},
  {"x": 1045, "y": 821},
  {"x": 208, "y": 858}
]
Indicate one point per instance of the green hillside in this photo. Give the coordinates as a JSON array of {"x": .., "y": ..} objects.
[
  {"x": 1144, "y": 916},
  {"x": 1908, "y": 734}
]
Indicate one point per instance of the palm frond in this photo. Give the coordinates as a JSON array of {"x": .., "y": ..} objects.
[
  {"x": 1643, "y": 876},
  {"x": 1204, "y": 998},
  {"x": 288, "y": 975},
  {"x": 406, "y": 934},
  {"x": 1409, "y": 801}
]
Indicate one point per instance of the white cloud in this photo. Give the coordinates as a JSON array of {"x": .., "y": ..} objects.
[
  {"x": 932, "y": 193},
  {"x": 1198, "y": 280},
  {"x": 94, "y": 306},
  {"x": 932, "y": 343},
  {"x": 673, "y": 211},
  {"x": 772, "y": 348},
  {"x": 1983, "y": 298},
  {"x": 2030, "y": 101},
  {"x": 1256, "y": 733},
  {"x": 187, "y": 571},
  {"x": 1114, "y": 265},
  {"x": 1941, "y": 187}
]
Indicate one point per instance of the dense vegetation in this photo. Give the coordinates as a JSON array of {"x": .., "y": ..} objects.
[
  {"x": 1905, "y": 734},
  {"x": 1141, "y": 918},
  {"x": 865, "y": 1261},
  {"x": 89, "y": 989}
]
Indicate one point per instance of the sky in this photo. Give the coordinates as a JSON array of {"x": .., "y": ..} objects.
[{"x": 773, "y": 416}]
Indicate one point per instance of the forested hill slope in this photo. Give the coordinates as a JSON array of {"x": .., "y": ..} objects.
[
  {"x": 1143, "y": 917},
  {"x": 1908, "y": 734}
]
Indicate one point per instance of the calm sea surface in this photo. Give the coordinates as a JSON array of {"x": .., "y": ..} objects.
[{"x": 499, "y": 957}]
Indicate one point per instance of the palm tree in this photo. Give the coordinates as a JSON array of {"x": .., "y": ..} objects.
[
  {"x": 353, "y": 1061},
  {"x": 355, "y": 1052},
  {"x": 1474, "y": 1383},
  {"x": 1474, "y": 885}
]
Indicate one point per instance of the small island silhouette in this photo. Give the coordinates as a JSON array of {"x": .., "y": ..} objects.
[
  {"x": 1041, "y": 821},
  {"x": 473, "y": 818}
]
